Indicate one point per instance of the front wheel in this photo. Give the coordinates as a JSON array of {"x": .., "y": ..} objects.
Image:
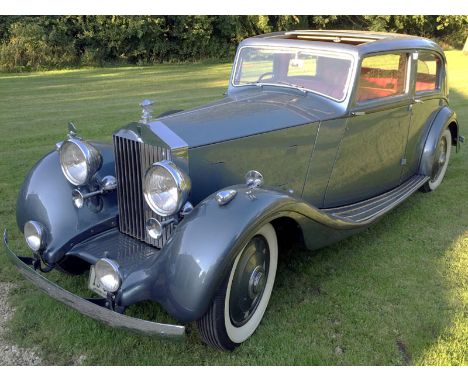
[
  {"x": 240, "y": 304},
  {"x": 440, "y": 163}
]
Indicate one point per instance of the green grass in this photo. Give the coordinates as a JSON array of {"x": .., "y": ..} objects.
[{"x": 395, "y": 294}]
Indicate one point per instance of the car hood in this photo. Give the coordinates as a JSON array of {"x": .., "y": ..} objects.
[{"x": 251, "y": 112}]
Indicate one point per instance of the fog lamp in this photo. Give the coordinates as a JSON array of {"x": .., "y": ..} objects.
[
  {"x": 77, "y": 198},
  {"x": 154, "y": 228},
  {"x": 34, "y": 235},
  {"x": 108, "y": 275}
]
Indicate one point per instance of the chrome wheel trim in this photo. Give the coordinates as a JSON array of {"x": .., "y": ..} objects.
[
  {"x": 238, "y": 334},
  {"x": 249, "y": 280}
]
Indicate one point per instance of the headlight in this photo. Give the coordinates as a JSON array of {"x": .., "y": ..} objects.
[
  {"x": 79, "y": 161},
  {"x": 166, "y": 188},
  {"x": 34, "y": 235},
  {"x": 107, "y": 274}
]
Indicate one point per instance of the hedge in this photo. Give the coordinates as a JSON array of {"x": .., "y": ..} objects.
[{"x": 49, "y": 42}]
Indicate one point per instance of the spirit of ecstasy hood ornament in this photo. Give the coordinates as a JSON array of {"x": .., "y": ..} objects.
[
  {"x": 147, "y": 109},
  {"x": 71, "y": 130}
]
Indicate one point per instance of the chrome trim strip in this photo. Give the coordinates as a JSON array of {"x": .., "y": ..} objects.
[
  {"x": 375, "y": 207},
  {"x": 88, "y": 308},
  {"x": 167, "y": 135}
]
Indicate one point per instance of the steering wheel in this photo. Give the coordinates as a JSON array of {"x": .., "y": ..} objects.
[{"x": 264, "y": 75}]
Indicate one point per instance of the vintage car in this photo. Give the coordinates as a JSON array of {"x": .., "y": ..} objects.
[{"x": 319, "y": 135}]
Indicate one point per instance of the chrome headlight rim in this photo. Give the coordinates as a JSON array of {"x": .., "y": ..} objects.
[
  {"x": 181, "y": 180},
  {"x": 114, "y": 267},
  {"x": 92, "y": 157}
]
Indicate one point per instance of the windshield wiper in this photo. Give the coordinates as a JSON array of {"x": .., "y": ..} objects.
[
  {"x": 278, "y": 83},
  {"x": 256, "y": 83},
  {"x": 294, "y": 86}
]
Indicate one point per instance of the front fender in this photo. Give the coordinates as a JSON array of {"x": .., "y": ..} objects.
[
  {"x": 443, "y": 119},
  {"x": 45, "y": 196},
  {"x": 200, "y": 254},
  {"x": 202, "y": 250}
]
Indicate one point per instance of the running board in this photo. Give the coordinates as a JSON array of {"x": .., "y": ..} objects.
[{"x": 368, "y": 210}]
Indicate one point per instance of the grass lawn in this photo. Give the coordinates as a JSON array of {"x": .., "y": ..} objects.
[{"x": 395, "y": 294}]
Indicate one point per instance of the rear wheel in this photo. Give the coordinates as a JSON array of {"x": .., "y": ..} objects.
[
  {"x": 241, "y": 302},
  {"x": 440, "y": 163}
]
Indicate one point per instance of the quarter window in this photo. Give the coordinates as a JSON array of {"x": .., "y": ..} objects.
[
  {"x": 382, "y": 76},
  {"x": 427, "y": 73}
]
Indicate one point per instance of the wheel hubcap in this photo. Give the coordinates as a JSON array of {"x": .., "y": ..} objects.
[
  {"x": 440, "y": 158},
  {"x": 257, "y": 282},
  {"x": 249, "y": 281}
]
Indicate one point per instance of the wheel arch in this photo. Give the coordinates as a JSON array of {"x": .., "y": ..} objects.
[
  {"x": 445, "y": 118},
  {"x": 204, "y": 246},
  {"x": 453, "y": 126},
  {"x": 288, "y": 232}
]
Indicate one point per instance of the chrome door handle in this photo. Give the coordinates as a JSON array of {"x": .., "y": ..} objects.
[{"x": 418, "y": 100}]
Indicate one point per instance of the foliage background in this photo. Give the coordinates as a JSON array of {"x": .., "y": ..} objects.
[{"x": 52, "y": 42}]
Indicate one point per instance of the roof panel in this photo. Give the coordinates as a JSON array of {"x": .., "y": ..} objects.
[{"x": 361, "y": 42}]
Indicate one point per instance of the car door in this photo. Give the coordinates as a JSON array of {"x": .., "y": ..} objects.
[
  {"x": 428, "y": 96},
  {"x": 370, "y": 156}
]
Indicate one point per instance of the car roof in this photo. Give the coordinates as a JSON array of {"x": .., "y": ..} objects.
[{"x": 356, "y": 42}]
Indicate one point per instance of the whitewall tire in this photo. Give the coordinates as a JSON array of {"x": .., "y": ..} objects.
[
  {"x": 240, "y": 304},
  {"x": 441, "y": 161}
]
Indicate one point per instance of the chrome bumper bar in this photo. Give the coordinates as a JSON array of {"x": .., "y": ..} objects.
[{"x": 86, "y": 307}]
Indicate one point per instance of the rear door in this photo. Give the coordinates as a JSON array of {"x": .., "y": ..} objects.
[
  {"x": 429, "y": 69},
  {"x": 370, "y": 156}
]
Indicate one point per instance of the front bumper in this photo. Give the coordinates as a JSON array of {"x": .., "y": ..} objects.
[{"x": 87, "y": 307}]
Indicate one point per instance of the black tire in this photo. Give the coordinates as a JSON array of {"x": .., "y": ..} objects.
[
  {"x": 218, "y": 327},
  {"x": 440, "y": 164}
]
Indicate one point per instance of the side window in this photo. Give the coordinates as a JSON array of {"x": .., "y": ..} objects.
[
  {"x": 427, "y": 74},
  {"x": 382, "y": 76}
]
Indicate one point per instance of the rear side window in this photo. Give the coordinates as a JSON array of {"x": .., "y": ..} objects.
[
  {"x": 427, "y": 74},
  {"x": 382, "y": 76}
]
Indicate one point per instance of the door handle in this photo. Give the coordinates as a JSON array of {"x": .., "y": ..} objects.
[{"x": 418, "y": 100}]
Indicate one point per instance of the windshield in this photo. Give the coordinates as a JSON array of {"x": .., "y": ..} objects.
[{"x": 320, "y": 72}]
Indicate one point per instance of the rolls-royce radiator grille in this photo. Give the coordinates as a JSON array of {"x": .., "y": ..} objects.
[{"x": 132, "y": 159}]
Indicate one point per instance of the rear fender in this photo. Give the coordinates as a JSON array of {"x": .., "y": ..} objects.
[
  {"x": 443, "y": 119},
  {"x": 46, "y": 197}
]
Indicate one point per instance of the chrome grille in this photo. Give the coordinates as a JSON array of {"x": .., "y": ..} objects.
[{"x": 132, "y": 159}]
